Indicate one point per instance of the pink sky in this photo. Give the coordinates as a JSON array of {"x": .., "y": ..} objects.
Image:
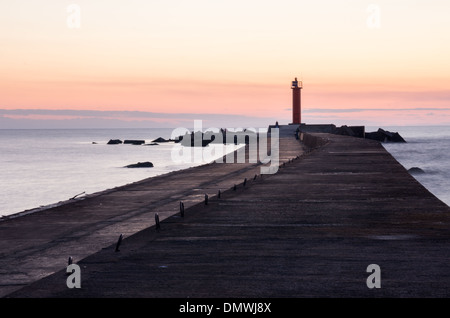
[{"x": 231, "y": 58}]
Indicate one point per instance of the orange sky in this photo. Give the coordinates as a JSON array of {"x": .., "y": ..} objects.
[{"x": 231, "y": 57}]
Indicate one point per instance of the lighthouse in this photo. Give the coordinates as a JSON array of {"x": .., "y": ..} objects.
[{"x": 296, "y": 102}]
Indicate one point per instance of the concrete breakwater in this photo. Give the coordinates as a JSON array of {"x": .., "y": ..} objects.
[
  {"x": 311, "y": 230},
  {"x": 35, "y": 245},
  {"x": 312, "y": 141}
]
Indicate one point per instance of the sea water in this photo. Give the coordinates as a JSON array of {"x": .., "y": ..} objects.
[
  {"x": 427, "y": 148},
  {"x": 40, "y": 168}
]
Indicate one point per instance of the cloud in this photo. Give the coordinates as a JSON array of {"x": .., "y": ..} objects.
[
  {"x": 66, "y": 118},
  {"x": 358, "y": 110}
]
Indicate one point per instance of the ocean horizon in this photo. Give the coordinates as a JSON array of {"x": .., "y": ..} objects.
[{"x": 43, "y": 167}]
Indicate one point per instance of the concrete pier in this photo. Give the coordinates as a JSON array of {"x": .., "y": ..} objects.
[
  {"x": 311, "y": 230},
  {"x": 36, "y": 245}
]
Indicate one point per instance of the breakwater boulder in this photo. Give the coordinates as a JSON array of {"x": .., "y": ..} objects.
[
  {"x": 114, "y": 142},
  {"x": 146, "y": 164},
  {"x": 415, "y": 170},
  {"x": 354, "y": 131},
  {"x": 199, "y": 139},
  {"x": 189, "y": 140},
  {"x": 385, "y": 136},
  {"x": 160, "y": 139},
  {"x": 134, "y": 142}
]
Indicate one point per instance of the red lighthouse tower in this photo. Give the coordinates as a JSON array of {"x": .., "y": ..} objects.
[{"x": 296, "y": 102}]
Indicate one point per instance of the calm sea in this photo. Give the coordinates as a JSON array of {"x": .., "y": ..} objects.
[
  {"x": 43, "y": 167},
  {"x": 428, "y": 148}
]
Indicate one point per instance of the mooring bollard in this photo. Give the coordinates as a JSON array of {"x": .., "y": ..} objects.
[
  {"x": 254, "y": 178},
  {"x": 158, "y": 226},
  {"x": 219, "y": 194},
  {"x": 245, "y": 181},
  {"x": 182, "y": 209},
  {"x": 119, "y": 241},
  {"x": 206, "y": 199},
  {"x": 234, "y": 188}
]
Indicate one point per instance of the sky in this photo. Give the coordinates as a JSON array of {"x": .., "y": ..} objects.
[{"x": 378, "y": 62}]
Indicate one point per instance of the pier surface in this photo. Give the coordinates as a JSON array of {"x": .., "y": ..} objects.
[
  {"x": 311, "y": 230},
  {"x": 38, "y": 244}
]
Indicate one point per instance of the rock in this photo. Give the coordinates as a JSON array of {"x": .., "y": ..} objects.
[
  {"x": 134, "y": 142},
  {"x": 222, "y": 137},
  {"x": 385, "y": 136},
  {"x": 415, "y": 170},
  {"x": 375, "y": 136},
  {"x": 345, "y": 131},
  {"x": 146, "y": 164},
  {"x": 160, "y": 139},
  {"x": 354, "y": 131},
  {"x": 188, "y": 140},
  {"x": 396, "y": 138},
  {"x": 114, "y": 142}
]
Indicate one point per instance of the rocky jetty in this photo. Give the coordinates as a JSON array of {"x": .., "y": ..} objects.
[
  {"x": 137, "y": 141},
  {"x": 189, "y": 140},
  {"x": 222, "y": 137}
]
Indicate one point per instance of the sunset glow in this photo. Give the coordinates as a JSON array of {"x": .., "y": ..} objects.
[{"x": 231, "y": 57}]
